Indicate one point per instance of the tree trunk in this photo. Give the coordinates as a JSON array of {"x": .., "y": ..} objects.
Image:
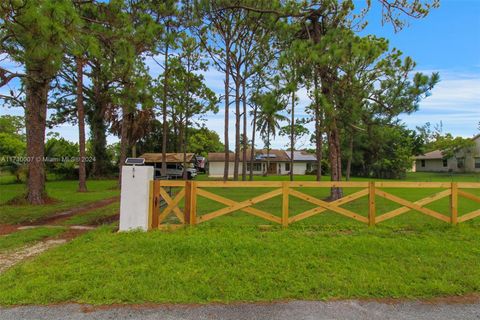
[
  {"x": 164, "y": 111},
  {"x": 318, "y": 130},
  {"x": 124, "y": 142},
  {"x": 268, "y": 151},
  {"x": 292, "y": 136},
  {"x": 245, "y": 140},
  {"x": 237, "y": 125},
  {"x": 98, "y": 128},
  {"x": 134, "y": 150},
  {"x": 185, "y": 129},
  {"x": 320, "y": 156},
  {"x": 82, "y": 172},
  {"x": 36, "y": 115},
  {"x": 333, "y": 135},
  {"x": 181, "y": 129},
  {"x": 252, "y": 151},
  {"x": 350, "y": 156},
  {"x": 175, "y": 127},
  {"x": 185, "y": 173},
  {"x": 227, "y": 104},
  {"x": 99, "y": 143},
  {"x": 316, "y": 35},
  {"x": 335, "y": 160}
]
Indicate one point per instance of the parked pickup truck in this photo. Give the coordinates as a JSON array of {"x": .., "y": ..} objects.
[{"x": 175, "y": 171}]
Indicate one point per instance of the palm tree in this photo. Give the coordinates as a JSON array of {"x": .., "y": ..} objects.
[{"x": 268, "y": 120}]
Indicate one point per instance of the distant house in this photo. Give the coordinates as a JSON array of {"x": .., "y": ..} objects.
[
  {"x": 465, "y": 160},
  {"x": 276, "y": 162}
]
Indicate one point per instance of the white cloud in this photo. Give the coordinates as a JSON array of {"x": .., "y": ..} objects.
[
  {"x": 454, "y": 92},
  {"x": 455, "y": 101}
]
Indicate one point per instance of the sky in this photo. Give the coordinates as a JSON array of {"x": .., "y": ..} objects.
[{"x": 446, "y": 41}]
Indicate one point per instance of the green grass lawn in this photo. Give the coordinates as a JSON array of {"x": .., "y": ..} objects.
[
  {"x": 233, "y": 258},
  {"x": 23, "y": 237},
  {"x": 206, "y": 264},
  {"x": 65, "y": 192}
]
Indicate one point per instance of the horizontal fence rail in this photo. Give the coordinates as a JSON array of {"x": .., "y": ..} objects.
[{"x": 189, "y": 191}]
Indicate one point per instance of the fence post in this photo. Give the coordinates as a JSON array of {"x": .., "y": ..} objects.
[
  {"x": 150, "y": 205},
  {"x": 285, "y": 193},
  {"x": 190, "y": 202},
  {"x": 371, "y": 203},
  {"x": 454, "y": 203},
  {"x": 193, "y": 205},
  {"x": 156, "y": 203}
]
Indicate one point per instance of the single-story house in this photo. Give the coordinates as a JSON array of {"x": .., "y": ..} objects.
[
  {"x": 273, "y": 162},
  {"x": 464, "y": 160}
]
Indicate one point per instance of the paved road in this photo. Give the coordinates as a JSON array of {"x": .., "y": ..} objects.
[{"x": 295, "y": 310}]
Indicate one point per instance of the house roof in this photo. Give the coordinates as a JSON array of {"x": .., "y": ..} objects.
[
  {"x": 220, "y": 156},
  {"x": 274, "y": 155},
  {"x": 303, "y": 156},
  {"x": 170, "y": 157},
  {"x": 436, "y": 154}
]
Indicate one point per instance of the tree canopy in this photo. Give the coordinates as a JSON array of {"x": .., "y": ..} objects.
[{"x": 91, "y": 63}]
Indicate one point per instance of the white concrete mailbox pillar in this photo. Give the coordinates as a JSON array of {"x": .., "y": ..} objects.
[{"x": 134, "y": 200}]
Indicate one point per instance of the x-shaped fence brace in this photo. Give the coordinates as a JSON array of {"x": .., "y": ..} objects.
[
  {"x": 417, "y": 205},
  {"x": 245, "y": 206},
  {"x": 472, "y": 214},
  {"x": 332, "y": 206},
  {"x": 172, "y": 205}
]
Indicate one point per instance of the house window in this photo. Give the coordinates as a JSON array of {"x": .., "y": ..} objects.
[
  {"x": 445, "y": 162},
  {"x": 477, "y": 163},
  {"x": 423, "y": 163},
  {"x": 256, "y": 166},
  {"x": 309, "y": 167},
  {"x": 287, "y": 166},
  {"x": 460, "y": 163}
]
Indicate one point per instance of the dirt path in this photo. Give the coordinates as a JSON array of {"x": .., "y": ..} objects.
[
  {"x": 83, "y": 209},
  {"x": 10, "y": 258},
  {"x": 59, "y": 217}
]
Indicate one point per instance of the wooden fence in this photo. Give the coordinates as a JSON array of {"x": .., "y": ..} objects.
[{"x": 190, "y": 190}]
